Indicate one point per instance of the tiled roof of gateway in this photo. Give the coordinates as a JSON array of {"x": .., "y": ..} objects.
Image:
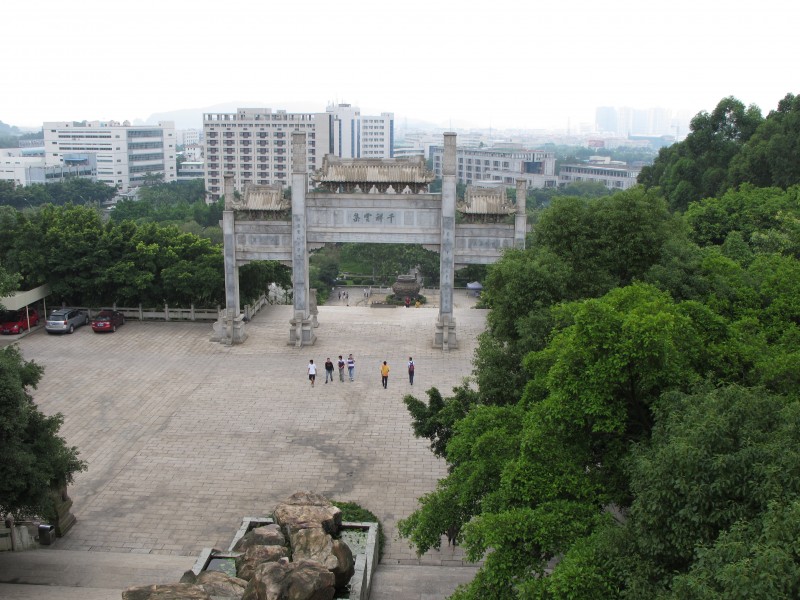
[
  {"x": 486, "y": 201},
  {"x": 373, "y": 170},
  {"x": 262, "y": 197}
]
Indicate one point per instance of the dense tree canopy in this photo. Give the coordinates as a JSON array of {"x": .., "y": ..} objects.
[
  {"x": 633, "y": 428},
  {"x": 771, "y": 156},
  {"x": 728, "y": 147},
  {"x": 75, "y": 190},
  {"x": 88, "y": 262},
  {"x": 33, "y": 457}
]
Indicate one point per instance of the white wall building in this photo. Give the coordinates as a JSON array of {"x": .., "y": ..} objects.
[
  {"x": 26, "y": 166},
  {"x": 615, "y": 175},
  {"x": 125, "y": 154},
  {"x": 187, "y": 137},
  {"x": 191, "y": 169},
  {"x": 194, "y": 152},
  {"x": 506, "y": 165},
  {"x": 255, "y": 143}
]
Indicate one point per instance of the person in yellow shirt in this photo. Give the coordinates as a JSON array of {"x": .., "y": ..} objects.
[{"x": 384, "y": 374}]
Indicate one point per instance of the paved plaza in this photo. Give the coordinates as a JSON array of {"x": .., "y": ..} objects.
[{"x": 184, "y": 437}]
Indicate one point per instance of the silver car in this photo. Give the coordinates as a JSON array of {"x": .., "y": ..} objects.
[{"x": 65, "y": 320}]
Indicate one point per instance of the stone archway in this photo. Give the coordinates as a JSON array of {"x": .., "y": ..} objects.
[{"x": 362, "y": 200}]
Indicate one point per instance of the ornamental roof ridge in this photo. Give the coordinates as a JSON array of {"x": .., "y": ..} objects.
[
  {"x": 261, "y": 197},
  {"x": 373, "y": 170},
  {"x": 485, "y": 201}
]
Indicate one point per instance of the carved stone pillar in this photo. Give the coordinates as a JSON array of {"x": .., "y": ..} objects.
[
  {"x": 301, "y": 330},
  {"x": 62, "y": 505},
  {"x": 521, "y": 216},
  {"x": 229, "y": 327},
  {"x": 445, "y": 331}
]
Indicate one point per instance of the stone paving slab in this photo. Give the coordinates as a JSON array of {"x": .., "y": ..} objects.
[
  {"x": 50, "y": 568},
  {"x": 418, "y": 582},
  {"x": 184, "y": 437},
  {"x": 55, "y": 592}
]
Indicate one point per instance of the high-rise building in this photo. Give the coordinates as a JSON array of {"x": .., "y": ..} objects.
[
  {"x": 254, "y": 143},
  {"x": 189, "y": 137},
  {"x": 606, "y": 119},
  {"x": 626, "y": 121},
  {"x": 126, "y": 155}
]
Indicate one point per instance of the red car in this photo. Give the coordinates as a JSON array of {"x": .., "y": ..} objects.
[
  {"x": 17, "y": 321},
  {"x": 107, "y": 320}
]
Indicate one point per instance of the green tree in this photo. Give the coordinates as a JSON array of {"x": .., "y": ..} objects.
[
  {"x": 528, "y": 480},
  {"x": 386, "y": 261},
  {"x": 722, "y": 465},
  {"x": 771, "y": 157},
  {"x": 255, "y": 278},
  {"x": 33, "y": 457},
  {"x": 436, "y": 419},
  {"x": 697, "y": 167},
  {"x": 766, "y": 218},
  {"x": 9, "y": 282}
]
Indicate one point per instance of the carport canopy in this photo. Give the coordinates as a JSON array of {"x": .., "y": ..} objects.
[{"x": 19, "y": 300}]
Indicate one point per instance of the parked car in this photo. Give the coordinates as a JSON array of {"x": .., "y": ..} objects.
[
  {"x": 65, "y": 320},
  {"x": 17, "y": 321},
  {"x": 107, "y": 320}
]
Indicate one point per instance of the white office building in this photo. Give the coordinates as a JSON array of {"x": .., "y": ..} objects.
[
  {"x": 504, "y": 165},
  {"x": 26, "y": 166},
  {"x": 615, "y": 175},
  {"x": 191, "y": 169},
  {"x": 255, "y": 143},
  {"x": 189, "y": 137},
  {"x": 126, "y": 155}
]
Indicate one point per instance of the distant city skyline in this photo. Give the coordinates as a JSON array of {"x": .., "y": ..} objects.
[{"x": 505, "y": 65}]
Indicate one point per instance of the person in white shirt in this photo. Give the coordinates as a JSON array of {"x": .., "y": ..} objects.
[{"x": 312, "y": 372}]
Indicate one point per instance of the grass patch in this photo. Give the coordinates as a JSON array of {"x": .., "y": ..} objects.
[{"x": 356, "y": 513}]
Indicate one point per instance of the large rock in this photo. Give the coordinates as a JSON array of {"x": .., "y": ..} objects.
[
  {"x": 217, "y": 584},
  {"x": 267, "y": 535},
  {"x": 347, "y": 564},
  {"x": 220, "y": 585},
  {"x": 171, "y": 591},
  {"x": 314, "y": 544},
  {"x": 284, "y": 580},
  {"x": 305, "y": 510},
  {"x": 255, "y": 555}
]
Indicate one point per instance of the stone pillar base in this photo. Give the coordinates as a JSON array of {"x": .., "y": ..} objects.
[
  {"x": 301, "y": 332},
  {"x": 444, "y": 335},
  {"x": 227, "y": 330},
  {"x": 62, "y": 505}
]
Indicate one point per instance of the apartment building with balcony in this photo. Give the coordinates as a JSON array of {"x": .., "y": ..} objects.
[
  {"x": 255, "y": 143},
  {"x": 504, "y": 165},
  {"x": 126, "y": 155}
]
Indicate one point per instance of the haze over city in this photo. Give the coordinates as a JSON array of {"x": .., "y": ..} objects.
[{"x": 505, "y": 64}]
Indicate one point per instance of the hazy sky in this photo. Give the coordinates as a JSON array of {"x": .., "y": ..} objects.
[{"x": 499, "y": 63}]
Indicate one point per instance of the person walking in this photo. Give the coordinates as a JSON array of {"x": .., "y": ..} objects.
[
  {"x": 312, "y": 371},
  {"x": 328, "y": 370},
  {"x": 410, "y": 370},
  {"x": 340, "y": 364},
  {"x": 384, "y": 374},
  {"x": 351, "y": 366}
]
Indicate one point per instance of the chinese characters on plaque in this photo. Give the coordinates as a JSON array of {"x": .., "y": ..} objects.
[{"x": 373, "y": 217}]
